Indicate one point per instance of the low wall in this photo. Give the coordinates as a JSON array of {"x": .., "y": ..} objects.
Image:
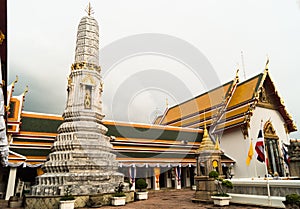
[
  {"x": 255, "y": 191},
  {"x": 50, "y": 202}
]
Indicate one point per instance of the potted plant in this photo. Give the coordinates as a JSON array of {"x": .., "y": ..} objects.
[
  {"x": 67, "y": 201},
  {"x": 119, "y": 197},
  {"x": 142, "y": 193},
  {"x": 129, "y": 183},
  {"x": 220, "y": 198},
  {"x": 292, "y": 201}
]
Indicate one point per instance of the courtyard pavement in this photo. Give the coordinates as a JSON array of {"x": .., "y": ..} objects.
[
  {"x": 173, "y": 199},
  {"x": 165, "y": 199}
]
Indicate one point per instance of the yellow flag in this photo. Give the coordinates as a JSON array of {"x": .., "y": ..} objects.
[{"x": 250, "y": 154}]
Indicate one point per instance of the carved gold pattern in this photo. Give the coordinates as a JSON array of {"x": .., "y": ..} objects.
[
  {"x": 87, "y": 99},
  {"x": 101, "y": 87},
  {"x": 85, "y": 66},
  {"x": 88, "y": 80},
  {"x": 288, "y": 118},
  {"x": 263, "y": 97},
  {"x": 244, "y": 129},
  {"x": 246, "y": 125},
  {"x": 269, "y": 131},
  {"x": 69, "y": 81},
  {"x": 2, "y": 37}
]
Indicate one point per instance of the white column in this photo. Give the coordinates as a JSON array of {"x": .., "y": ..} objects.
[
  {"x": 169, "y": 180},
  {"x": 188, "y": 176},
  {"x": 132, "y": 173},
  {"x": 178, "y": 178},
  {"x": 148, "y": 174},
  {"x": 10, "y": 190},
  {"x": 156, "y": 178}
]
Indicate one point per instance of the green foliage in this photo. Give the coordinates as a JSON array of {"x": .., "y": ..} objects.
[
  {"x": 213, "y": 174},
  {"x": 227, "y": 184},
  {"x": 292, "y": 199},
  {"x": 221, "y": 194},
  {"x": 141, "y": 184},
  {"x": 121, "y": 194},
  {"x": 220, "y": 184},
  {"x": 70, "y": 197},
  {"x": 119, "y": 190}
]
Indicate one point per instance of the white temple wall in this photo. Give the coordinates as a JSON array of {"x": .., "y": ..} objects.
[{"x": 236, "y": 147}]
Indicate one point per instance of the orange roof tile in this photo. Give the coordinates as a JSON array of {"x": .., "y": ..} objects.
[
  {"x": 197, "y": 104},
  {"x": 245, "y": 91}
]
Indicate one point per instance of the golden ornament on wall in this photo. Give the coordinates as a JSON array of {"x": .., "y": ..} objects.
[{"x": 215, "y": 163}]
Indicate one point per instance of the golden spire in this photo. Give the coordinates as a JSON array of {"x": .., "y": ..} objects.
[
  {"x": 206, "y": 143},
  {"x": 217, "y": 144},
  {"x": 205, "y": 132},
  {"x": 89, "y": 9}
]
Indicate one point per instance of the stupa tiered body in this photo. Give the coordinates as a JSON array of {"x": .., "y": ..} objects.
[{"x": 81, "y": 158}]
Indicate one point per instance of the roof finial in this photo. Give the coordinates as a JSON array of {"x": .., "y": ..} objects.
[
  {"x": 237, "y": 74},
  {"x": 26, "y": 90},
  {"x": 167, "y": 102},
  {"x": 243, "y": 64},
  {"x": 89, "y": 9},
  {"x": 16, "y": 80},
  {"x": 267, "y": 64}
]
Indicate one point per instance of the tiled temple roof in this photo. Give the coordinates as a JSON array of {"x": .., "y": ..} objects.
[{"x": 233, "y": 104}]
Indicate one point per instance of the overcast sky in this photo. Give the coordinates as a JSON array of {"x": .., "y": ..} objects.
[{"x": 42, "y": 37}]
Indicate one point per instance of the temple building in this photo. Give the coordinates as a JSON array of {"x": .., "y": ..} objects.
[
  {"x": 235, "y": 112},
  {"x": 163, "y": 153}
]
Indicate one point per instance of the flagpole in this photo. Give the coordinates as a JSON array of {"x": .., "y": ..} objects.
[
  {"x": 286, "y": 164},
  {"x": 255, "y": 169},
  {"x": 251, "y": 141},
  {"x": 268, "y": 183}
]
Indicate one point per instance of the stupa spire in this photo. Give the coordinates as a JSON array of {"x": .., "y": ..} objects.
[
  {"x": 87, "y": 44},
  {"x": 206, "y": 143},
  {"x": 89, "y": 9}
]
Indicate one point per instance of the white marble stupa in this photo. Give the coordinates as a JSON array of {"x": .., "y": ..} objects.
[{"x": 81, "y": 157}]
